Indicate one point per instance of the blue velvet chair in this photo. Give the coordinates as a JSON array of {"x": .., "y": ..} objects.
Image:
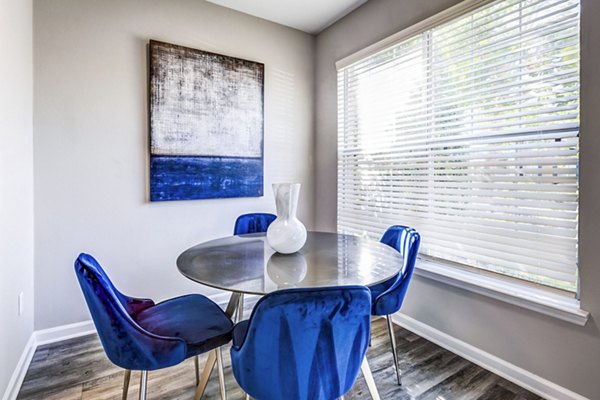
[
  {"x": 138, "y": 334},
  {"x": 387, "y": 297},
  {"x": 303, "y": 344},
  {"x": 253, "y": 223},
  {"x": 250, "y": 223}
]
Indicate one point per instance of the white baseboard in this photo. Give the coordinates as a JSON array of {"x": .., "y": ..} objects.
[
  {"x": 508, "y": 371},
  {"x": 40, "y": 338},
  {"x": 64, "y": 332},
  {"x": 14, "y": 384}
]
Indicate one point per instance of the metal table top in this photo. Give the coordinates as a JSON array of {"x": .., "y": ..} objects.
[{"x": 247, "y": 264}]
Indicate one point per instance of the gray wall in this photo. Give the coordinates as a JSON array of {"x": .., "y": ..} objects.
[
  {"x": 16, "y": 182},
  {"x": 558, "y": 351},
  {"x": 91, "y": 141}
]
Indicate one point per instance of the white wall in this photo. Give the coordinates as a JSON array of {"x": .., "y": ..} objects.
[
  {"x": 91, "y": 141},
  {"x": 16, "y": 182},
  {"x": 566, "y": 354}
]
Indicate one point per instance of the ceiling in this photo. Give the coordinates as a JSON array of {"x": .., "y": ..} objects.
[{"x": 311, "y": 16}]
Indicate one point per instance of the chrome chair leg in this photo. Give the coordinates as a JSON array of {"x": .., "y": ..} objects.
[
  {"x": 126, "y": 379},
  {"x": 143, "y": 385},
  {"x": 197, "y": 368},
  {"x": 393, "y": 341},
  {"x": 221, "y": 373}
]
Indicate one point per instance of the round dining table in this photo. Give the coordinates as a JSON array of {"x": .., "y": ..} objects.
[{"x": 246, "y": 264}]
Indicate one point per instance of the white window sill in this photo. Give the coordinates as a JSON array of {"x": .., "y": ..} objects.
[{"x": 531, "y": 298}]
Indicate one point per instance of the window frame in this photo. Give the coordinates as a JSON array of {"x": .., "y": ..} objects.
[{"x": 545, "y": 300}]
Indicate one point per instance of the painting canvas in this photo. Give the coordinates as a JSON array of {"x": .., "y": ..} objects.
[{"x": 206, "y": 124}]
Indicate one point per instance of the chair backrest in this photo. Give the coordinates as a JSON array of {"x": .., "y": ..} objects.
[
  {"x": 253, "y": 223},
  {"x": 126, "y": 343},
  {"x": 406, "y": 240},
  {"x": 304, "y": 343}
]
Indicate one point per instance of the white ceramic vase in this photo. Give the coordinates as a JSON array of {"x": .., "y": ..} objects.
[{"x": 286, "y": 234}]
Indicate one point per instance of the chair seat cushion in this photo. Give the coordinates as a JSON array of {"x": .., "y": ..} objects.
[
  {"x": 194, "y": 318},
  {"x": 239, "y": 333}
]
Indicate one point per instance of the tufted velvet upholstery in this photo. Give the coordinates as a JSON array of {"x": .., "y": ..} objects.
[
  {"x": 137, "y": 334},
  {"x": 253, "y": 223},
  {"x": 388, "y": 296},
  {"x": 303, "y": 343}
]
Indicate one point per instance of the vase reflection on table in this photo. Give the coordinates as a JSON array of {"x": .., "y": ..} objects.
[
  {"x": 287, "y": 270},
  {"x": 286, "y": 234}
]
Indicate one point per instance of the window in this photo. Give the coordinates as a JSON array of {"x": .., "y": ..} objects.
[{"x": 468, "y": 131}]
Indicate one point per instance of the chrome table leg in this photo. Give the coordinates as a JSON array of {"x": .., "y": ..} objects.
[
  {"x": 240, "y": 310},
  {"x": 233, "y": 302}
]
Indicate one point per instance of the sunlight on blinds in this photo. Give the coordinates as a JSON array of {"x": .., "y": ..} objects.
[{"x": 468, "y": 132}]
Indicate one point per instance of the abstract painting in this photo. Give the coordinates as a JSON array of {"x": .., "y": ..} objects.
[{"x": 206, "y": 124}]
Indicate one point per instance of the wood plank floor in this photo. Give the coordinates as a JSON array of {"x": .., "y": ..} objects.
[{"x": 78, "y": 369}]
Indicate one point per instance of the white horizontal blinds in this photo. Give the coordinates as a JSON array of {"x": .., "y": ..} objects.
[{"x": 469, "y": 133}]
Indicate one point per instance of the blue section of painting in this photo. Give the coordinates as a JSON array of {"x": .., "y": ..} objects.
[{"x": 190, "y": 178}]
